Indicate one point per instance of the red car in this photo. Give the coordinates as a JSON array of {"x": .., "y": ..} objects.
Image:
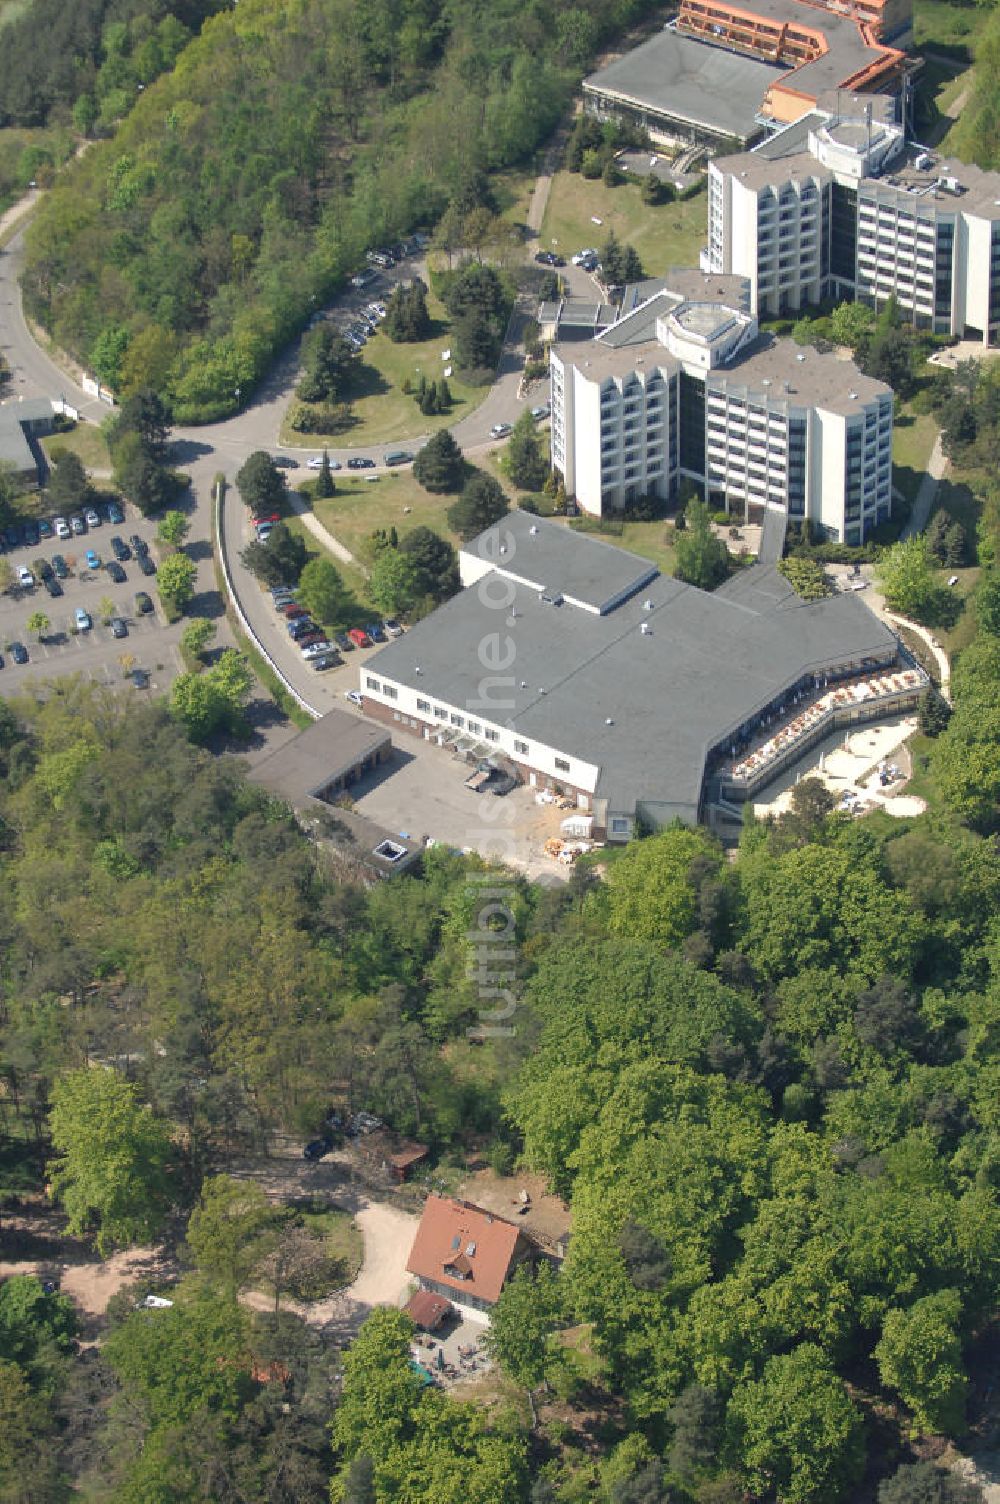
[
  {"x": 359, "y": 638},
  {"x": 293, "y": 609}
]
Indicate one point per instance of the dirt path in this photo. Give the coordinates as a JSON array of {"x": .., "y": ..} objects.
[{"x": 382, "y": 1280}]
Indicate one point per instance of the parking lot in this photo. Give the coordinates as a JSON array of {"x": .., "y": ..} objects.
[{"x": 147, "y": 643}]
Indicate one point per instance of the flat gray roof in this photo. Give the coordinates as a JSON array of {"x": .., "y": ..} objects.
[
  {"x": 799, "y": 375},
  {"x": 558, "y": 560},
  {"x": 683, "y": 79},
  {"x": 331, "y": 746},
  {"x": 645, "y": 707}
]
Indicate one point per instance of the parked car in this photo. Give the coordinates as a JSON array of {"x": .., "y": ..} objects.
[
  {"x": 118, "y": 626},
  {"x": 282, "y": 590},
  {"x": 264, "y": 531},
  {"x": 116, "y": 512},
  {"x": 399, "y": 457},
  {"x": 325, "y": 660},
  {"x": 501, "y": 783},
  {"x": 392, "y": 628},
  {"x": 360, "y": 462},
  {"x": 284, "y": 462},
  {"x": 541, "y": 411},
  {"x": 343, "y": 642},
  {"x": 300, "y": 627},
  {"x": 1, "y": 660},
  {"x": 93, "y": 559},
  {"x": 375, "y": 632},
  {"x": 19, "y": 652},
  {"x": 62, "y": 528},
  {"x": 354, "y": 696},
  {"x": 316, "y": 463},
  {"x": 30, "y": 532},
  {"x": 140, "y": 677},
  {"x": 60, "y": 566},
  {"x": 143, "y": 604},
  {"x": 317, "y": 1148},
  {"x": 283, "y": 598},
  {"x": 146, "y": 564},
  {"x": 44, "y": 568},
  {"x": 83, "y": 620},
  {"x": 45, "y": 528},
  {"x": 93, "y": 517},
  {"x": 589, "y": 263},
  {"x": 77, "y": 524},
  {"x": 590, "y": 254},
  {"x": 120, "y": 549},
  {"x": 500, "y": 430},
  {"x": 25, "y": 578},
  {"x": 293, "y": 608},
  {"x": 139, "y": 545},
  {"x": 53, "y": 586},
  {"x": 115, "y": 572},
  {"x": 316, "y": 648},
  {"x": 359, "y": 638},
  {"x": 549, "y": 258}
]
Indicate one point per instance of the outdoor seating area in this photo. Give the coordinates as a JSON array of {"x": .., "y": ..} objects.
[{"x": 880, "y": 690}]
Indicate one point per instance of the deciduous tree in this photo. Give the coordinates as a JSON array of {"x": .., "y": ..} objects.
[{"x": 112, "y": 1170}]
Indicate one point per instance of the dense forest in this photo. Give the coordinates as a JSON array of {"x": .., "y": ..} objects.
[
  {"x": 88, "y": 60},
  {"x": 247, "y": 182}
]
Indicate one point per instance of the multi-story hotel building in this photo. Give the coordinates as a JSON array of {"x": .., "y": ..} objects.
[
  {"x": 690, "y": 388},
  {"x": 842, "y": 208}
]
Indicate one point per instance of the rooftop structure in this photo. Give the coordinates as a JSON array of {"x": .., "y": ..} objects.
[
  {"x": 839, "y": 206},
  {"x": 20, "y": 423},
  {"x": 624, "y": 708},
  {"x": 722, "y": 70}
]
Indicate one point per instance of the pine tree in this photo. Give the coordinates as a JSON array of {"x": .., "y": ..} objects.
[
  {"x": 324, "y": 481},
  {"x": 444, "y": 396}
]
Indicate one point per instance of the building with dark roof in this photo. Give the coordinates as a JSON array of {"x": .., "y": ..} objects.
[
  {"x": 22, "y": 423},
  {"x": 579, "y": 668},
  {"x": 324, "y": 761},
  {"x": 726, "y": 72}
]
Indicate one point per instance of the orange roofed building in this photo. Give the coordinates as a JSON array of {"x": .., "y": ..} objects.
[{"x": 464, "y": 1253}]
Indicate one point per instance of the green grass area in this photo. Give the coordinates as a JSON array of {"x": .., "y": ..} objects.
[
  {"x": 396, "y": 500},
  {"x": 342, "y": 1235},
  {"x": 652, "y": 540},
  {"x": 381, "y": 410},
  {"x": 946, "y": 28},
  {"x": 512, "y": 190},
  {"x": 86, "y": 441},
  {"x": 912, "y": 441},
  {"x": 664, "y": 236}
]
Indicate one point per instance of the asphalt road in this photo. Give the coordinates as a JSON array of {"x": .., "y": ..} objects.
[{"x": 221, "y": 448}]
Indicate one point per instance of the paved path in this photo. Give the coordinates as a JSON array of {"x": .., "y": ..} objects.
[
  {"x": 941, "y": 657},
  {"x": 323, "y": 536},
  {"x": 927, "y": 491}
]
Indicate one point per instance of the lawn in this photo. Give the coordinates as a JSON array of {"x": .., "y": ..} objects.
[
  {"x": 382, "y": 411},
  {"x": 652, "y": 540},
  {"x": 396, "y": 500},
  {"x": 913, "y": 438},
  {"x": 666, "y": 235},
  {"x": 86, "y": 441},
  {"x": 951, "y": 29},
  {"x": 344, "y": 1241}
]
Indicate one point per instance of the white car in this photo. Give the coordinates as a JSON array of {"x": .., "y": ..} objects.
[
  {"x": 62, "y": 527},
  {"x": 500, "y": 430},
  {"x": 316, "y": 650},
  {"x": 25, "y": 578},
  {"x": 540, "y": 412},
  {"x": 92, "y": 517},
  {"x": 354, "y": 695},
  {"x": 316, "y": 463},
  {"x": 264, "y": 531},
  {"x": 588, "y": 255},
  {"x": 83, "y": 621}
]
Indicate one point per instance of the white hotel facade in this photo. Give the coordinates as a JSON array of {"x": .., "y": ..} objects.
[
  {"x": 689, "y": 388},
  {"x": 844, "y": 208}
]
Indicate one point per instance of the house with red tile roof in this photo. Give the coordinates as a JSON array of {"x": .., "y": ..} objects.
[{"x": 465, "y": 1253}]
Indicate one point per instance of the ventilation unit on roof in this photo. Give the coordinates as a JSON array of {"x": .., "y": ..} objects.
[
  {"x": 647, "y": 605},
  {"x": 524, "y": 683},
  {"x": 608, "y": 721},
  {"x": 417, "y": 669},
  {"x": 551, "y": 598},
  {"x": 456, "y": 1241},
  {"x": 543, "y": 691},
  {"x": 645, "y": 629},
  {"x": 800, "y": 356},
  {"x": 503, "y": 548},
  {"x": 853, "y": 396},
  {"x": 533, "y": 529},
  {"x": 470, "y": 1250}
]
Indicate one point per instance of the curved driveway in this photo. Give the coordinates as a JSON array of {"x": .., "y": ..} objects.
[{"x": 221, "y": 448}]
